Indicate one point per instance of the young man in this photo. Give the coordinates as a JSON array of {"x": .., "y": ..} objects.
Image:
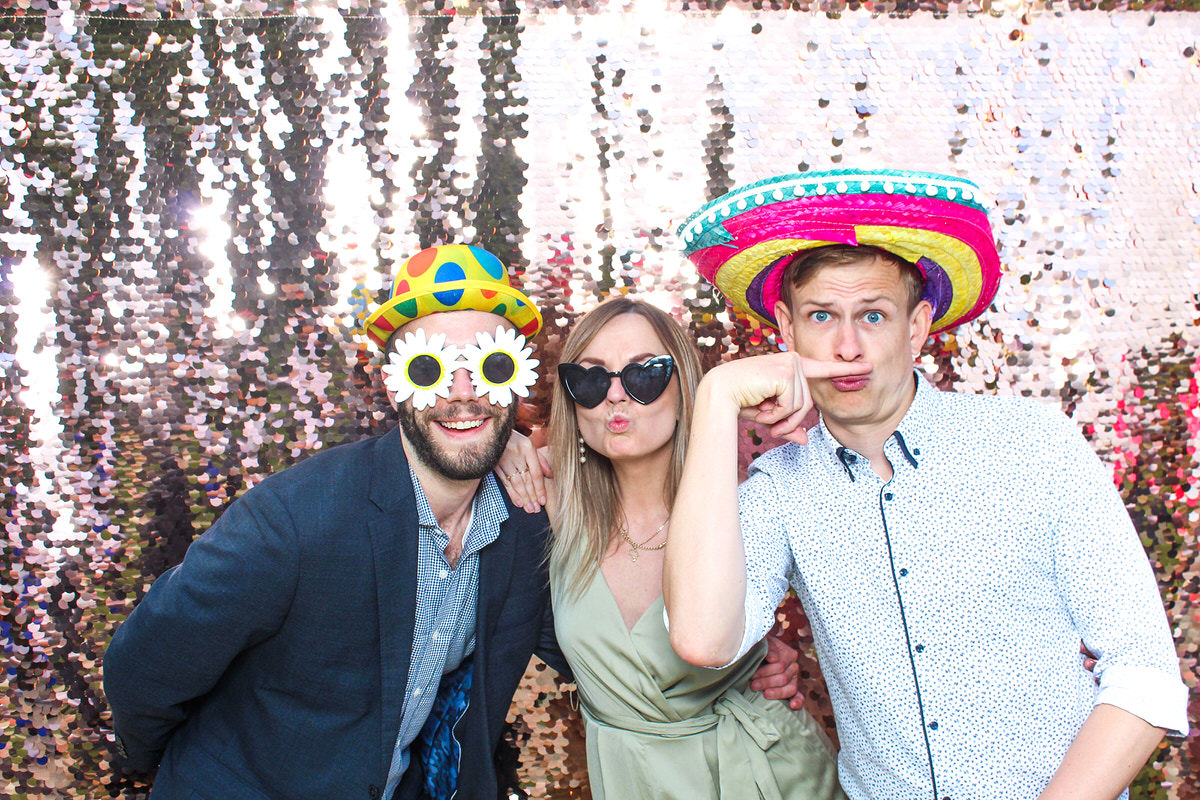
[
  {"x": 298, "y": 649},
  {"x": 951, "y": 550}
]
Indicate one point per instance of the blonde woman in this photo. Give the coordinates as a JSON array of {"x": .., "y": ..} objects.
[{"x": 655, "y": 725}]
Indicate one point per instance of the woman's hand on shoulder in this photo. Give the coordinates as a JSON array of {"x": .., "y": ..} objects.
[{"x": 523, "y": 470}]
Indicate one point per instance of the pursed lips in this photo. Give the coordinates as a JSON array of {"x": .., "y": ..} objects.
[
  {"x": 618, "y": 423},
  {"x": 850, "y": 383}
]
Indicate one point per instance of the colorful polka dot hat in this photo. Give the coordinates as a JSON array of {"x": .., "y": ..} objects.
[
  {"x": 451, "y": 277},
  {"x": 743, "y": 241}
]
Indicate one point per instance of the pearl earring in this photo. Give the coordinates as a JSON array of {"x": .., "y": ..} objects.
[{"x": 582, "y": 450}]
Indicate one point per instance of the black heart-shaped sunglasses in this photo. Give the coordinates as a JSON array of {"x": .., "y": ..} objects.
[{"x": 644, "y": 383}]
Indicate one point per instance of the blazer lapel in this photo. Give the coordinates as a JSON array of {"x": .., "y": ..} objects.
[
  {"x": 392, "y": 525},
  {"x": 495, "y": 574}
]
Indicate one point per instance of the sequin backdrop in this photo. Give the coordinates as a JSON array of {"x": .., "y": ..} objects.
[{"x": 197, "y": 203}]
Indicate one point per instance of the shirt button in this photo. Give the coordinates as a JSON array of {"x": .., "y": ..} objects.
[
  {"x": 433, "y": 635},
  {"x": 443, "y": 574},
  {"x": 887, "y": 496},
  {"x": 417, "y": 693},
  {"x": 851, "y": 457},
  {"x": 903, "y": 573},
  {"x": 921, "y": 649},
  {"x": 933, "y": 725}
]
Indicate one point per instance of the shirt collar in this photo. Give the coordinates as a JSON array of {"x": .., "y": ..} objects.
[
  {"x": 920, "y": 420},
  {"x": 489, "y": 510},
  {"x": 425, "y": 517},
  {"x": 904, "y": 443}
]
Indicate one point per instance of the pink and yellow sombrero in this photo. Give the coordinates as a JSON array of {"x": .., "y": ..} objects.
[
  {"x": 451, "y": 277},
  {"x": 743, "y": 241}
]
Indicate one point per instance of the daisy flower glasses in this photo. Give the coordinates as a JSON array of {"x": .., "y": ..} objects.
[
  {"x": 423, "y": 368},
  {"x": 501, "y": 365}
]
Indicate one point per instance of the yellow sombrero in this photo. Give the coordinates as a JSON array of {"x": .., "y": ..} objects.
[{"x": 451, "y": 277}]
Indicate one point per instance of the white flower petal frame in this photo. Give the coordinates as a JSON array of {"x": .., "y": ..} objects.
[
  {"x": 501, "y": 366},
  {"x": 421, "y": 368}
]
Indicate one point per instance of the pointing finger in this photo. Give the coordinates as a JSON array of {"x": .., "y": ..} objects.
[{"x": 833, "y": 369}]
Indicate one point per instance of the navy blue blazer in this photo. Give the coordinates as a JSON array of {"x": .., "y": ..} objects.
[{"x": 272, "y": 662}]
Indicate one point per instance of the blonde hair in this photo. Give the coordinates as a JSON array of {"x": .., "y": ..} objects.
[
  {"x": 588, "y": 506},
  {"x": 807, "y": 263}
]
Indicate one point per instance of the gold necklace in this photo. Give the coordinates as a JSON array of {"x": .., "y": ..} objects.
[{"x": 634, "y": 547}]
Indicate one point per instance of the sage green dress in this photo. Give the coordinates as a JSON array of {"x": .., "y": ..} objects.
[{"x": 660, "y": 728}]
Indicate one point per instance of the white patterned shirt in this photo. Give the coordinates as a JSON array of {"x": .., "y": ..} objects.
[{"x": 948, "y": 604}]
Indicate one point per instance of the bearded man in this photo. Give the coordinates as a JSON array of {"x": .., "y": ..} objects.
[{"x": 355, "y": 626}]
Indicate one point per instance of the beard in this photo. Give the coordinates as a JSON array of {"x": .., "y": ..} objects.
[{"x": 469, "y": 463}]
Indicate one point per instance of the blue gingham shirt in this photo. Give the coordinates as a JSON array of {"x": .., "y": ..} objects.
[
  {"x": 948, "y": 603},
  {"x": 444, "y": 631}
]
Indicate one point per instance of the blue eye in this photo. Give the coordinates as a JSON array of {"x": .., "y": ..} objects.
[
  {"x": 874, "y": 317},
  {"x": 820, "y": 316}
]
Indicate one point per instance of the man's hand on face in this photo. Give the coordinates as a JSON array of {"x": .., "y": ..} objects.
[{"x": 773, "y": 389}]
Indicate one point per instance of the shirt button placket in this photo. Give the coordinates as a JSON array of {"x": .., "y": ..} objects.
[{"x": 888, "y": 495}]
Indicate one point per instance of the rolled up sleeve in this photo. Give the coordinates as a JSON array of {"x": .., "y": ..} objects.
[{"x": 1109, "y": 587}]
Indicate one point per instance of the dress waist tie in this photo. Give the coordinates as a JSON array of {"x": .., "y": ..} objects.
[{"x": 744, "y": 734}]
